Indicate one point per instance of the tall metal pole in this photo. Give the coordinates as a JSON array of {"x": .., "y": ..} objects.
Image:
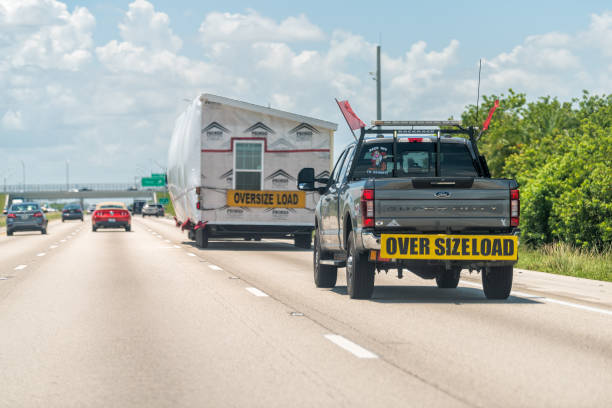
[
  {"x": 24, "y": 180},
  {"x": 67, "y": 175},
  {"x": 378, "y": 96}
]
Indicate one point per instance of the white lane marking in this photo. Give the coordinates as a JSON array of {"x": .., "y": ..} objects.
[
  {"x": 20, "y": 267},
  {"x": 63, "y": 240},
  {"x": 190, "y": 254},
  {"x": 550, "y": 300},
  {"x": 53, "y": 247},
  {"x": 256, "y": 292},
  {"x": 167, "y": 240},
  {"x": 41, "y": 254},
  {"x": 176, "y": 246},
  {"x": 349, "y": 346},
  {"x": 215, "y": 267}
]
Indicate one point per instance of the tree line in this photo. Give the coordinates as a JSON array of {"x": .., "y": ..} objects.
[{"x": 561, "y": 155}]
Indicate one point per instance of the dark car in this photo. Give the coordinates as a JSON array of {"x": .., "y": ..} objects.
[
  {"x": 25, "y": 217},
  {"x": 72, "y": 212}
]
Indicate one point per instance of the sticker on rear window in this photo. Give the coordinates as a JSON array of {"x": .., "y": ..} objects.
[{"x": 377, "y": 155}]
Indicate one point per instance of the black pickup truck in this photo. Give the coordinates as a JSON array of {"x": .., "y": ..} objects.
[{"x": 405, "y": 197}]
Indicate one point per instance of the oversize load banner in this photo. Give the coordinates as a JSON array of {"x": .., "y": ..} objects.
[
  {"x": 270, "y": 199},
  {"x": 473, "y": 247}
]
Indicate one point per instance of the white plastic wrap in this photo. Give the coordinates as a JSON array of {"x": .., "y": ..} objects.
[{"x": 184, "y": 162}]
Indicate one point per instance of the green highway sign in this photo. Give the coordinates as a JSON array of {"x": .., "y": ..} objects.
[
  {"x": 152, "y": 182},
  {"x": 163, "y": 201},
  {"x": 158, "y": 175}
]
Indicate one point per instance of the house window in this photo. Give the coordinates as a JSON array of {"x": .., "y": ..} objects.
[{"x": 248, "y": 165}]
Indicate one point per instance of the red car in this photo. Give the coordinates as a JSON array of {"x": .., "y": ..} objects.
[{"x": 111, "y": 215}]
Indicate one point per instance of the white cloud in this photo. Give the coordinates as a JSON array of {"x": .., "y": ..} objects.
[
  {"x": 252, "y": 27},
  {"x": 599, "y": 34},
  {"x": 144, "y": 26},
  {"x": 12, "y": 120},
  {"x": 44, "y": 34}
]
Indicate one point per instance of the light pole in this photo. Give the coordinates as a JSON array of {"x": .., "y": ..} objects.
[
  {"x": 24, "y": 180},
  {"x": 67, "y": 175}
]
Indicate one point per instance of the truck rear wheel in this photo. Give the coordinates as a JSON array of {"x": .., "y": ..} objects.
[
  {"x": 448, "y": 279},
  {"x": 303, "y": 241},
  {"x": 497, "y": 281},
  {"x": 359, "y": 272},
  {"x": 201, "y": 237},
  {"x": 325, "y": 276}
]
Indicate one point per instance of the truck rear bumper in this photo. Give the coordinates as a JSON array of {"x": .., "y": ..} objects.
[{"x": 369, "y": 240}]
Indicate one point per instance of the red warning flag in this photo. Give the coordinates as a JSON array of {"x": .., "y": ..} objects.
[
  {"x": 351, "y": 118},
  {"x": 485, "y": 125}
]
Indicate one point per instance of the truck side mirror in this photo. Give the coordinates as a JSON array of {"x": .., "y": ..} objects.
[{"x": 306, "y": 179}]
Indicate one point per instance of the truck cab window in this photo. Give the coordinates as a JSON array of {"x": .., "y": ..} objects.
[
  {"x": 346, "y": 165},
  {"x": 248, "y": 165},
  {"x": 335, "y": 173}
]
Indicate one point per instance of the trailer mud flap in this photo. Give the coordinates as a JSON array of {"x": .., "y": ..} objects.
[{"x": 451, "y": 247}]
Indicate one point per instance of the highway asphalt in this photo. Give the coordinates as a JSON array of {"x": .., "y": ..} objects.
[{"x": 145, "y": 319}]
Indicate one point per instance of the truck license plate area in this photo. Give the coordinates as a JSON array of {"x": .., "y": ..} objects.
[{"x": 442, "y": 246}]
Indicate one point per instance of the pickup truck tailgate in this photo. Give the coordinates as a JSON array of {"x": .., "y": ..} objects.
[{"x": 434, "y": 205}]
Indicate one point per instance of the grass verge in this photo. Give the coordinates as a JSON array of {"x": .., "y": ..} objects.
[
  {"x": 563, "y": 259},
  {"x": 169, "y": 208}
]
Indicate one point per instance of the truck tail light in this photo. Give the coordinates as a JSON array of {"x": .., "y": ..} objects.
[
  {"x": 515, "y": 208},
  {"x": 367, "y": 207},
  {"x": 198, "y": 205}
]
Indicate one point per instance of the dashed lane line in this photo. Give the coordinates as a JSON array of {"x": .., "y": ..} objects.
[
  {"x": 190, "y": 254},
  {"x": 20, "y": 267},
  {"x": 215, "y": 267},
  {"x": 41, "y": 254},
  {"x": 256, "y": 292},
  {"x": 550, "y": 300},
  {"x": 349, "y": 346},
  {"x": 53, "y": 247}
]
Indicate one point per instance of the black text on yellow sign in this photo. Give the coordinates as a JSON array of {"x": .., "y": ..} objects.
[
  {"x": 270, "y": 199},
  {"x": 473, "y": 247}
]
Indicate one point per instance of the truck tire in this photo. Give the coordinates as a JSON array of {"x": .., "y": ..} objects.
[
  {"x": 359, "y": 272},
  {"x": 325, "y": 276},
  {"x": 497, "y": 281},
  {"x": 448, "y": 279},
  {"x": 303, "y": 241},
  {"x": 201, "y": 238}
]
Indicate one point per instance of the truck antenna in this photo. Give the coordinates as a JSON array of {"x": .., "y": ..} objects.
[{"x": 478, "y": 92}]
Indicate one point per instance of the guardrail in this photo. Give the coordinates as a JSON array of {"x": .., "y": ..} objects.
[{"x": 35, "y": 188}]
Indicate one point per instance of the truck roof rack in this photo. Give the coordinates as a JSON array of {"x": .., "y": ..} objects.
[{"x": 416, "y": 123}]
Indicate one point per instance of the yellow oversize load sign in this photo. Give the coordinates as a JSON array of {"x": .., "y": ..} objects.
[
  {"x": 472, "y": 247},
  {"x": 259, "y": 198}
]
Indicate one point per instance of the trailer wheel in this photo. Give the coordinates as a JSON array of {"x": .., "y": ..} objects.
[
  {"x": 448, "y": 279},
  {"x": 303, "y": 241},
  {"x": 359, "y": 272},
  {"x": 201, "y": 238},
  {"x": 325, "y": 276},
  {"x": 497, "y": 281}
]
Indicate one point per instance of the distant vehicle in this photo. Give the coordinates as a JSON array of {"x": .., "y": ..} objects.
[
  {"x": 72, "y": 212},
  {"x": 84, "y": 189},
  {"x": 91, "y": 208},
  {"x": 25, "y": 217},
  {"x": 132, "y": 189},
  {"x": 17, "y": 200},
  {"x": 111, "y": 215},
  {"x": 153, "y": 209},
  {"x": 137, "y": 206}
]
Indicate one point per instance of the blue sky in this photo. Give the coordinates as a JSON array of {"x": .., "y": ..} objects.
[{"x": 100, "y": 83}]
